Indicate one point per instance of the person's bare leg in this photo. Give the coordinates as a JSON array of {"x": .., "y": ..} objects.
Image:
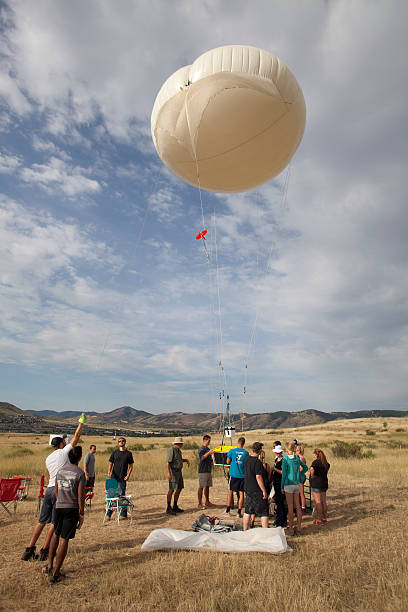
[
  {"x": 264, "y": 521},
  {"x": 37, "y": 531},
  {"x": 241, "y": 500},
  {"x": 229, "y": 499},
  {"x": 48, "y": 537},
  {"x": 302, "y": 495},
  {"x": 60, "y": 555},
  {"x": 246, "y": 521},
  {"x": 200, "y": 497},
  {"x": 169, "y": 496},
  {"x": 324, "y": 505},
  {"x": 52, "y": 550},
  {"x": 289, "y": 501},
  {"x": 318, "y": 502},
  {"x": 176, "y": 496},
  {"x": 296, "y": 501}
]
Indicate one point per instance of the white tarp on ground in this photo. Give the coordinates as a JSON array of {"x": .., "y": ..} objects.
[{"x": 271, "y": 540}]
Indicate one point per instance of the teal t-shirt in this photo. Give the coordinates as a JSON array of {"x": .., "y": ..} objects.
[{"x": 237, "y": 456}]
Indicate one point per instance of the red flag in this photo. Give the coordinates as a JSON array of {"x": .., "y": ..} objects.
[{"x": 201, "y": 235}]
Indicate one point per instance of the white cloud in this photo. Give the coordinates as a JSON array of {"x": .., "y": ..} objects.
[
  {"x": 57, "y": 174},
  {"x": 9, "y": 163}
]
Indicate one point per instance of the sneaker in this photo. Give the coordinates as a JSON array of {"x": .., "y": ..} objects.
[
  {"x": 226, "y": 513},
  {"x": 29, "y": 554},
  {"x": 317, "y": 522},
  {"x": 46, "y": 570},
  {"x": 170, "y": 511},
  {"x": 43, "y": 554},
  {"x": 176, "y": 509},
  {"x": 58, "y": 578},
  {"x": 303, "y": 510}
]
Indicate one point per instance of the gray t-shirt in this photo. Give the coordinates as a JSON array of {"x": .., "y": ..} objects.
[
  {"x": 89, "y": 461},
  {"x": 68, "y": 480},
  {"x": 175, "y": 458}
]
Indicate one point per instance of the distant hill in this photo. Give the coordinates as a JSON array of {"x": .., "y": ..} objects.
[
  {"x": 7, "y": 409},
  {"x": 124, "y": 415},
  {"x": 127, "y": 417}
]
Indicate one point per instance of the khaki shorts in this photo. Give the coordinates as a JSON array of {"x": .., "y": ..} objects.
[
  {"x": 176, "y": 483},
  {"x": 205, "y": 480}
]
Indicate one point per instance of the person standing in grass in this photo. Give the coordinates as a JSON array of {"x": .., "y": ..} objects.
[
  {"x": 204, "y": 473},
  {"x": 53, "y": 462},
  {"x": 281, "y": 512},
  {"x": 69, "y": 513},
  {"x": 174, "y": 463},
  {"x": 89, "y": 466},
  {"x": 300, "y": 451},
  {"x": 235, "y": 459},
  {"x": 120, "y": 467},
  {"x": 290, "y": 485},
  {"x": 255, "y": 485},
  {"x": 319, "y": 484}
]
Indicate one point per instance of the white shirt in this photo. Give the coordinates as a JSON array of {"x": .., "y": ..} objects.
[{"x": 56, "y": 461}]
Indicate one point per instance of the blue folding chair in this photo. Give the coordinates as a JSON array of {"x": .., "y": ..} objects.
[{"x": 115, "y": 501}]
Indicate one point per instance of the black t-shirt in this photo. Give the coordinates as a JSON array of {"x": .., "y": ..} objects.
[
  {"x": 277, "y": 478},
  {"x": 204, "y": 465},
  {"x": 319, "y": 480},
  {"x": 252, "y": 468},
  {"x": 121, "y": 461}
]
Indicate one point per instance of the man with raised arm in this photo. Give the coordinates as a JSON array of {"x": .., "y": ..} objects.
[{"x": 54, "y": 462}]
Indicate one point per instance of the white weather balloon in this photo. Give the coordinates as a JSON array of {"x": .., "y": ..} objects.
[{"x": 230, "y": 121}]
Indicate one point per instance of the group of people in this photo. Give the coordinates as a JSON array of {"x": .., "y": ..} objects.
[
  {"x": 256, "y": 483},
  {"x": 251, "y": 478}
]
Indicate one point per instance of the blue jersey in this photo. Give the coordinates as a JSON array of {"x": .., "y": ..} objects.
[{"x": 237, "y": 456}]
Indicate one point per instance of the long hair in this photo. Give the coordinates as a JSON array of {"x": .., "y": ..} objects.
[{"x": 321, "y": 457}]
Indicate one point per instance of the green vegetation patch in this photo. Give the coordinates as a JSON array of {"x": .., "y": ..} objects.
[
  {"x": 20, "y": 452},
  {"x": 350, "y": 450}
]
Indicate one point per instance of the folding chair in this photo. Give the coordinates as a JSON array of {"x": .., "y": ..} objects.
[
  {"x": 115, "y": 501},
  {"x": 9, "y": 492},
  {"x": 40, "y": 494},
  {"x": 89, "y": 495},
  {"x": 24, "y": 487}
]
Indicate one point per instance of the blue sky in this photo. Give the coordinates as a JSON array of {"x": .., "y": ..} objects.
[{"x": 107, "y": 299}]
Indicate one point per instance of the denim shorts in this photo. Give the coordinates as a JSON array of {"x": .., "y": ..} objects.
[
  {"x": 313, "y": 490},
  {"x": 48, "y": 507},
  {"x": 291, "y": 488}
]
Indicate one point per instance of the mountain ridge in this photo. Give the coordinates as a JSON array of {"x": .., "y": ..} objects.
[{"x": 202, "y": 421}]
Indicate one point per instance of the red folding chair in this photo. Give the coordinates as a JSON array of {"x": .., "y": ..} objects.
[
  {"x": 9, "y": 493},
  {"x": 41, "y": 494}
]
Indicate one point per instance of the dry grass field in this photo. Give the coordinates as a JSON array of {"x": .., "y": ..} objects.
[{"x": 357, "y": 561}]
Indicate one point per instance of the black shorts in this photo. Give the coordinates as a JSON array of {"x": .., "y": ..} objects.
[
  {"x": 256, "y": 505},
  {"x": 47, "y": 513},
  {"x": 65, "y": 522},
  {"x": 236, "y": 484}
]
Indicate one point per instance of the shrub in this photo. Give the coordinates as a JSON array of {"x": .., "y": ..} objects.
[
  {"x": 20, "y": 452},
  {"x": 396, "y": 444},
  {"x": 137, "y": 446},
  {"x": 370, "y": 432},
  {"x": 350, "y": 450},
  {"x": 400, "y": 429},
  {"x": 385, "y": 425},
  {"x": 190, "y": 445}
]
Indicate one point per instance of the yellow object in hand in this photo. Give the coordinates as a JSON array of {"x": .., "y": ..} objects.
[{"x": 82, "y": 418}]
